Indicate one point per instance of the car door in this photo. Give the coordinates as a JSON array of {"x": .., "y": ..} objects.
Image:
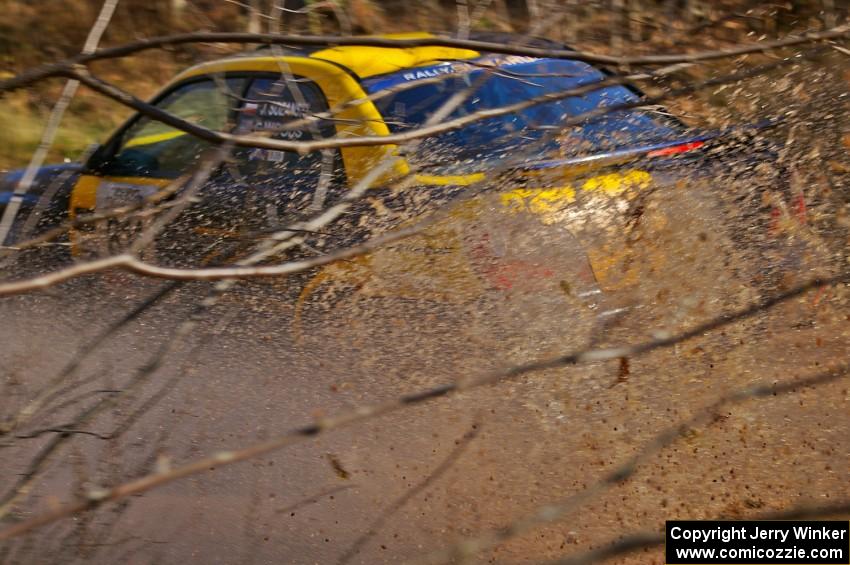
[
  {"x": 249, "y": 192},
  {"x": 145, "y": 156},
  {"x": 282, "y": 186}
]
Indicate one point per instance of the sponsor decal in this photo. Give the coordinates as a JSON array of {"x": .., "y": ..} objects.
[{"x": 116, "y": 194}]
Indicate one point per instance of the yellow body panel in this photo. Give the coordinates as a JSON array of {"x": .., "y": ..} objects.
[
  {"x": 614, "y": 184},
  {"x": 339, "y": 88},
  {"x": 154, "y": 138},
  {"x": 538, "y": 201},
  {"x": 433, "y": 265},
  {"x": 438, "y": 253},
  {"x": 546, "y": 201},
  {"x": 368, "y": 61},
  {"x": 449, "y": 180},
  {"x": 84, "y": 195}
]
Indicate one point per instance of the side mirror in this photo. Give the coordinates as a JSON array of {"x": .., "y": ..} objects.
[{"x": 92, "y": 156}]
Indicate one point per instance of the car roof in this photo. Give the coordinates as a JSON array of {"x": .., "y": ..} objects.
[{"x": 366, "y": 61}]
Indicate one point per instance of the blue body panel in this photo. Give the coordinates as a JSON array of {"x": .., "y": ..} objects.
[
  {"x": 46, "y": 179},
  {"x": 516, "y": 79},
  {"x": 535, "y": 138}
]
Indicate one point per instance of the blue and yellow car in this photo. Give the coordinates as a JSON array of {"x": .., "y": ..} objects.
[{"x": 528, "y": 161}]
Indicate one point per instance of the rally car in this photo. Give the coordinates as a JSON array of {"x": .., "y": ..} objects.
[{"x": 583, "y": 179}]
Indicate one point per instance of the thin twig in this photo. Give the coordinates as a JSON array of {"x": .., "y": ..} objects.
[
  {"x": 10, "y": 212},
  {"x": 277, "y": 243},
  {"x": 555, "y": 511},
  {"x": 62, "y": 67},
  {"x": 398, "y": 504},
  {"x": 428, "y": 130},
  {"x": 313, "y": 499},
  {"x": 54, "y": 387},
  {"x": 131, "y": 263},
  {"x": 369, "y": 412},
  {"x": 647, "y": 540}
]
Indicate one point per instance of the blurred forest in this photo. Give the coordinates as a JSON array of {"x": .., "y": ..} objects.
[{"x": 47, "y": 30}]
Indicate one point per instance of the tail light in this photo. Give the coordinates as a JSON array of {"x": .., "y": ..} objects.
[{"x": 676, "y": 149}]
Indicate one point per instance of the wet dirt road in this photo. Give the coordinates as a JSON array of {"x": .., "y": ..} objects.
[{"x": 427, "y": 476}]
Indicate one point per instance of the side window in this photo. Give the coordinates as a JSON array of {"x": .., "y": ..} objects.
[
  {"x": 250, "y": 104},
  {"x": 278, "y": 108},
  {"x": 149, "y": 148}
]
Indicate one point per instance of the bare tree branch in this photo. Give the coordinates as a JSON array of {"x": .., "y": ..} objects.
[
  {"x": 276, "y": 244},
  {"x": 63, "y": 67},
  {"x": 291, "y": 236},
  {"x": 430, "y": 130},
  {"x": 140, "y": 209},
  {"x": 132, "y": 264},
  {"x": 10, "y": 212}
]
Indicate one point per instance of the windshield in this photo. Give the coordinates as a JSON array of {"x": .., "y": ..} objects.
[{"x": 517, "y": 79}]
